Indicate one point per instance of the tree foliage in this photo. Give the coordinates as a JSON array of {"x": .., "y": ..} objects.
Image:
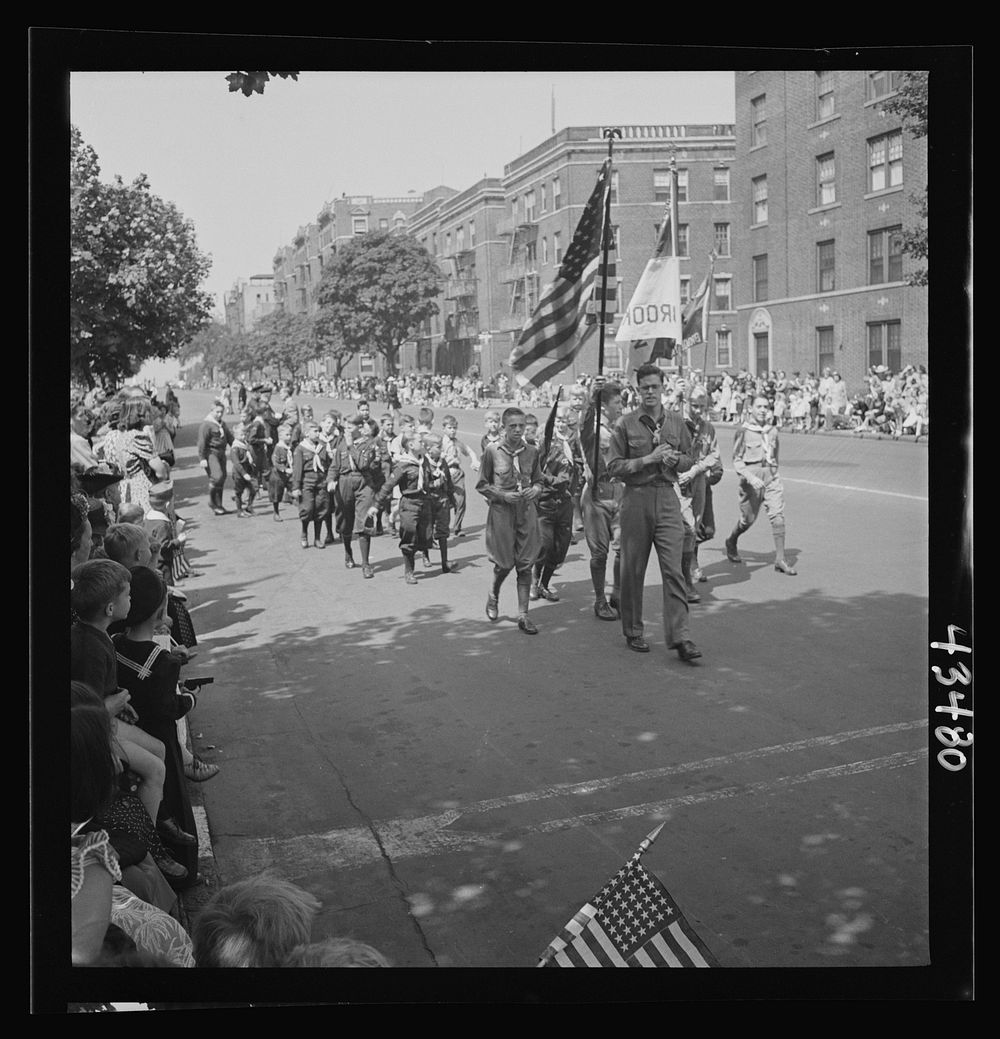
[
  {"x": 377, "y": 292},
  {"x": 253, "y": 82},
  {"x": 910, "y": 102},
  {"x": 285, "y": 341},
  {"x": 135, "y": 272}
]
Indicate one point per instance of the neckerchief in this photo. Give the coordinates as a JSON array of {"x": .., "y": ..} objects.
[
  {"x": 419, "y": 463},
  {"x": 436, "y": 468},
  {"x": 514, "y": 452},
  {"x": 567, "y": 449},
  {"x": 307, "y": 445},
  {"x": 651, "y": 424},
  {"x": 766, "y": 436},
  {"x": 215, "y": 422},
  {"x": 241, "y": 444}
]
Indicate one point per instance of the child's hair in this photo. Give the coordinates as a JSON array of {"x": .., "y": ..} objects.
[
  {"x": 433, "y": 439},
  {"x": 407, "y": 438},
  {"x": 407, "y": 420},
  {"x": 449, "y": 420},
  {"x": 253, "y": 923},
  {"x": 335, "y": 952},
  {"x": 311, "y": 424},
  {"x": 335, "y": 415},
  {"x": 510, "y": 413},
  {"x": 609, "y": 391},
  {"x": 531, "y": 420},
  {"x": 96, "y": 583},
  {"x": 492, "y": 413},
  {"x": 426, "y": 416},
  {"x": 133, "y": 412},
  {"x": 92, "y": 769},
  {"x": 131, "y": 512},
  {"x": 388, "y": 415},
  {"x": 284, "y": 430},
  {"x": 122, "y": 541}
]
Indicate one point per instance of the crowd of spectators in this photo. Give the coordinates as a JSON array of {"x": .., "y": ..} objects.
[{"x": 134, "y": 842}]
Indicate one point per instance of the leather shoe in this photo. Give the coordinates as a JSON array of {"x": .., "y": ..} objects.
[
  {"x": 349, "y": 563},
  {"x": 637, "y": 643},
  {"x": 199, "y": 771},
  {"x": 411, "y": 578},
  {"x": 492, "y": 608},
  {"x": 171, "y": 869},
  {"x": 604, "y": 612},
  {"x": 305, "y": 542},
  {"x": 170, "y": 831},
  {"x": 547, "y": 593},
  {"x": 615, "y": 604},
  {"x": 525, "y": 624},
  {"x": 449, "y": 568},
  {"x": 785, "y": 568},
  {"x": 731, "y": 554},
  {"x": 319, "y": 543},
  {"x": 367, "y": 571},
  {"x": 693, "y": 596},
  {"x": 687, "y": 650}
]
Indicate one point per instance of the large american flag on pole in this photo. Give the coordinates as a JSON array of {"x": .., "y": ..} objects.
[
  {"x": 632, "y": 922},
  {"x": 558, "y": 327}
]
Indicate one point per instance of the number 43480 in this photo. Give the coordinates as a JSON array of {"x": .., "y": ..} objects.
[{"x": 952, "y": 758}]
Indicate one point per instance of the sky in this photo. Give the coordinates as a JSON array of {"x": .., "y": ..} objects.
[{"x": 248, "y": 172}]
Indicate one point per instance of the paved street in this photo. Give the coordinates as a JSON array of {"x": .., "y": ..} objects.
[{"x": 453, "y": 791}]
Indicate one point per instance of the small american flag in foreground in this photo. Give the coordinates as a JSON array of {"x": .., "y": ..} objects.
[{"x": 633, "y": 922}]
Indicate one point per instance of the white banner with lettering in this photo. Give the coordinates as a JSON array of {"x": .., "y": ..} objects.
[{"x": 654, "y": 311}]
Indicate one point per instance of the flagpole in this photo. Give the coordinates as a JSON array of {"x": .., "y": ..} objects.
[
  {"x": 611, "y": 133},
  {"x": 674, "y": 229},
  {"x": 704, "y": 314}
]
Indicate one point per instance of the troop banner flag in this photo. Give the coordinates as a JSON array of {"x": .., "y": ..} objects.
[
  {"x": 632, "y": 922},
  {"x": 557, "y": 329},
  {"x": 654, "y": 312}
]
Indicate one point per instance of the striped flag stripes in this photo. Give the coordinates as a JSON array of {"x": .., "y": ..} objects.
[
  {"x": 632, "y": 922},
  {"x": 557, "y": 329}
]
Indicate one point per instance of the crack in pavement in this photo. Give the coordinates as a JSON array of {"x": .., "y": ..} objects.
[{"x": 376, "y": 836}]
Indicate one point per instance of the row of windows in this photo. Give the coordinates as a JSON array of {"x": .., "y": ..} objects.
[
  {"x": 884, "y": 341},
  {"x": 885, "y": 170},
  {"x": 885, "y": 263},
  {"x": 878, "y": 84}
]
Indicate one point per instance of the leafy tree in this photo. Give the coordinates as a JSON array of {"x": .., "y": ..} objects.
[
  {"x": 330, "y": 343},
  {"x": 253, "y": 82},
  {"x": 910, "y": 102},
  {"x": 285, "y": 341},
  {"x": 135, "y": 271},
  {"x": 377, "y": 291}
]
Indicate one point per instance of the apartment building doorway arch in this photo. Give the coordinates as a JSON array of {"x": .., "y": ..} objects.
[{"x": 759, "y": 346}]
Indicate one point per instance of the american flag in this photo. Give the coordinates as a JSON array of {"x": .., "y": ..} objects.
[
  {"x": 558, "y": 327},
  {"x": 632, "y": 922},
  {"x": 697, "y": 307}
]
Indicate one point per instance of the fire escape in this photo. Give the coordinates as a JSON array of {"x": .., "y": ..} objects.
[{"x": 521, "y": 270}]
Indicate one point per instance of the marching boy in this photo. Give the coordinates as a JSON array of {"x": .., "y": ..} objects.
[
  {"x": 442, "y": 494},
  {"x": 510, "y": 479}
]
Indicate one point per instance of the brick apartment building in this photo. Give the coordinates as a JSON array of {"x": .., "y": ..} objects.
[
  {"x": 248, "y": 301},
  {"x": 823, "y": 184}
]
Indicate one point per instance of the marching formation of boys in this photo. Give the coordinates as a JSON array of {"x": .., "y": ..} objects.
[{"x": 656, "y": 466}]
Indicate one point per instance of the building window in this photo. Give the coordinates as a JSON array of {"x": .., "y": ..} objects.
[
  {"x": 759, "y": 195},
  {"x": 531, "y": 256},
  {"x": 826, "y": 100},
  {"x": 685, "y": 291},
  {"x": 661, "y": 185},
  {"x": 359, "y": 224},
  {"x": 885, "y": 161},
  {"x": 721, "y": 185},
  {"x": 758, "y": 121},
  {"x": 880, "y": 84},
  {"x": 434, "y": 243},
  {"x": 723, "y": 294},
  {"x": 399, "y": 221},
  {"x": 529, "y": 206},
  {"x": 556, "y": 196},
  {"x": 557, "y": 248},
  {"x": 614, "y": 186},
  {"x": 472, "y": 234},
  {"x": 885, "y": 344},
  {"x": 615, "y": 242},
  {"x": 826, "y": 179},
  {"x": 722, "y": 239},
  {"x": 383, "y": 223},
  {"x": 682, "y": 185},
  {"x": 366, "y": 364},
  {"x": 682, "y": 240},
  {"x": 885, "y": 255},
  {"x": 723, "y": 348},
  {"x": 826, "y": 280},
  {"x": 513, "y": 209},
  {"x": 447, "y": 243},
  {"x": 759, "y": 264},
  {"x": 545, "y": 251},
  {"x": 460, "y": 239},
  {"x": 545, "y": 196},
  {"x": 824, "y": 347}
]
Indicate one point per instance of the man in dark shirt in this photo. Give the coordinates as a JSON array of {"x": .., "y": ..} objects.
[{"x": 649, "y": 447}]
